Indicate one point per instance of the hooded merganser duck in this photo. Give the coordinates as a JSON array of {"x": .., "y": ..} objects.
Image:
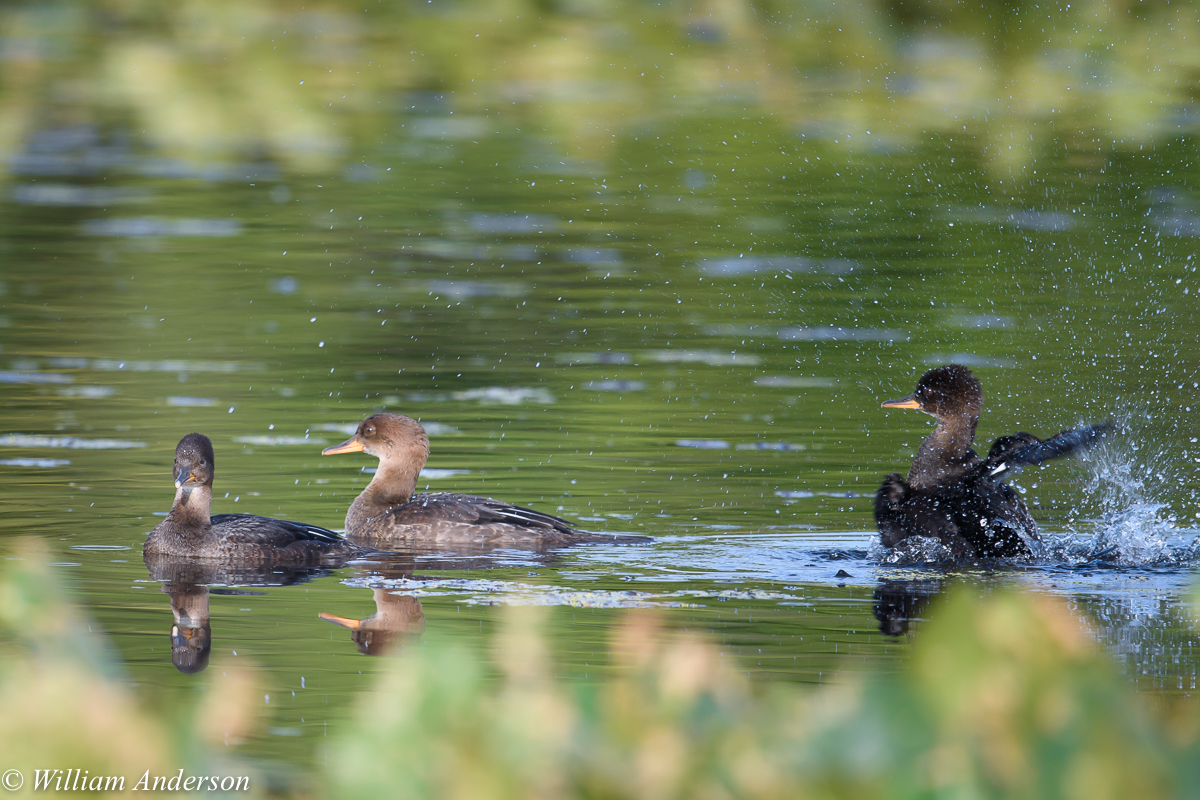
[
  {"x": 951, "y": 493},
  {"x": 189, "y": 531},
  {"x": 388, "y": 510}
]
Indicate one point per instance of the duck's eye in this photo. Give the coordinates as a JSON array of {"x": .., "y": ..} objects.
[{"x": 369, "y": 430}]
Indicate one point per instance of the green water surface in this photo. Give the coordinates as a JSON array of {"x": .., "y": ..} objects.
[{"x": 584, "y": 238}]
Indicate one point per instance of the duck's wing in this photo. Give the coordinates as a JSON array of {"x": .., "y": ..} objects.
[
  {"x": 1010, "y": 453},
  {"x": 254, "y": 529},
  {"x": 437, "y": 508}
]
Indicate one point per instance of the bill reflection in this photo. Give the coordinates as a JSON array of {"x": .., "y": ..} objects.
[{"x": 396, "y": 618}]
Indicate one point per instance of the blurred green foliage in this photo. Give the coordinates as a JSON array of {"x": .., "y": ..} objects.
[
  {"x": 309, "y": 84},
  {"x": 1006, "y": 695},
  {"x": 65, "y": 704}
]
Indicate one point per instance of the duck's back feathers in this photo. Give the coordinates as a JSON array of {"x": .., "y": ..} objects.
[
  {"x": 251, "y": 538},
  {"x": 467, "y": 518},
  {"x": 268, "y": 530},
  {"x": 471, "y": 509},
  {"x": 281, "y": 539}
]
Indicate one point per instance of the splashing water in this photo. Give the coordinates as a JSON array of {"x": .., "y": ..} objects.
[
  {"x": 1135, "y": 528},
  {"x": 913, "y": 550}
]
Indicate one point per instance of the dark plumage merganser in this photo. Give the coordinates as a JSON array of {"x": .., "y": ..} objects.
[
  {"x": 951, "y": 493},
  {"x": 388, "y": 511},
  {"x": 189, "y": 531}
]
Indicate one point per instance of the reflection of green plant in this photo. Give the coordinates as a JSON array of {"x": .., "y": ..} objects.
[{"x": 1005, "y": 697}]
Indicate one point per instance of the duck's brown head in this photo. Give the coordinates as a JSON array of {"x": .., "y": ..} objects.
[
  {"x": 193, "y": 462},
  {"x": 389, "y": 437},
  {"x": 945, "y": 393}
]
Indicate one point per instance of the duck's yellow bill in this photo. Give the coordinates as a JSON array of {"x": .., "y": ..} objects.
[
  {"x": 351, "y": 445},
  {"x": 903, "y": 402}
]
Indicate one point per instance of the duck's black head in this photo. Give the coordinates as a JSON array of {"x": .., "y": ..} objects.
[
  {"x": 945, "y": 393},
  {"x": 194, "y": 461}
]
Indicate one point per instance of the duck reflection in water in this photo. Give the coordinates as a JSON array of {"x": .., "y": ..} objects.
[
  {"x": 897, "y": 603},
  {"x": 191, "y": 634},
  {"x": 186, "y": 581},
  {"x": 397, "y": 616}
]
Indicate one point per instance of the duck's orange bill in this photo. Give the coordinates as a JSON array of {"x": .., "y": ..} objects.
[
  {"x": 345, "y": 622},
  {"x": 903, "y": 402},
  {"x": 351, "y": 445}
]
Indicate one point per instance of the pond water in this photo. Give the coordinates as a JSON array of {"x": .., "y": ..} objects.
[{"x": 652, "y": 269}]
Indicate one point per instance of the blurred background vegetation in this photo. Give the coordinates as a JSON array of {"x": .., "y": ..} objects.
[
  {"x": 593, "y": 231},
  {"x": 313, "y": 86},
  {"x": 1006, "y": 695}
]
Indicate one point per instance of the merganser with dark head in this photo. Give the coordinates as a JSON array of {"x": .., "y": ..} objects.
[
  {"x": 188, "y": 530},
  {"x": 388, "y": 510},
  {"x": 951, "y": 493}
]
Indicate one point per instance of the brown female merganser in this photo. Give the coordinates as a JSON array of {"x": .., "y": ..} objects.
[
  {"x": 387, "y": 509},
  {"x": 951, "y": 493},
  {"x": 189, "y": 531}
]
